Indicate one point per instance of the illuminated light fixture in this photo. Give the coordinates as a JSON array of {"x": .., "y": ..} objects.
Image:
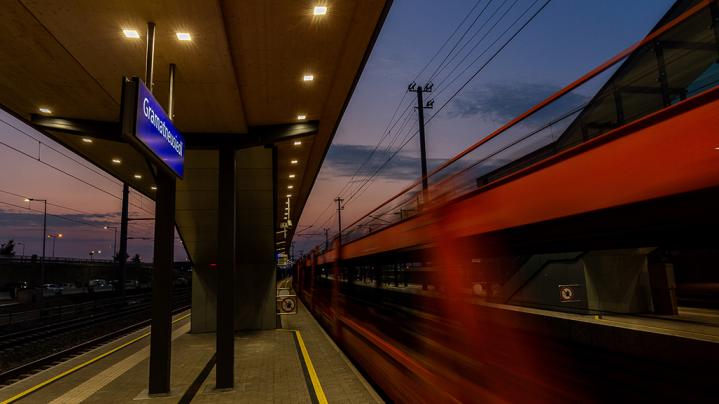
[
  {"x": 27, "y": 199},
  {"x": 45, "y": 110},
  {"x": 184, "y": 36},
  {"x": 292, "y": 176},
  {"x": 154, "y": 188},
  {"x": 301, "y": 117},
  {"x": 716, "y": 148},
  {"x": 294, "y": 161},
  {"x": 290, "y": 186},
  {"x": 297, "y": 142},
  {"x": 308, "y": 77},
  {"x": 138, "y": 176},
  {"x": 87, "y": 140},
  {"x": 320, "y": 10},
  {"x": 131, "y": 33},
  {"x": 289, "y": 195},
  {"x": 116, "y": 161}
]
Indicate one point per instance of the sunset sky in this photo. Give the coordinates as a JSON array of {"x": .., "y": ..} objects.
[{"x": 567, "y": 39}]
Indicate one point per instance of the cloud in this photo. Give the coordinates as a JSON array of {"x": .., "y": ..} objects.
[
  {"x": 504, "y": 101},
  {"x": 344, "y": 159},
  {"x": 9, "y": 218}
]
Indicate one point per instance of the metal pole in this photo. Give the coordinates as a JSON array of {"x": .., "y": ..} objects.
[
  {"x": 171, "y": 96},
  {"x": 225, "y": 338},
  {"x": 122, "y": 254},
  {"x": 339, "y": 218},
  {"x": 53, "y": 247},
  {"x": 422, "y": 150},
  {"x": 150, "y": 55},
  {"x": 44, "y": 236},
  {"x": 161, "y": 327}
]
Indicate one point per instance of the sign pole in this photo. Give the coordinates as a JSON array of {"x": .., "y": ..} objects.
[{"x": 161, "y": 326}]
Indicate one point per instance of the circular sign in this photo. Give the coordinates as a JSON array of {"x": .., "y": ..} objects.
[
  {"x": 566, "y": 293},
  {"x": 288, "y": 305}
]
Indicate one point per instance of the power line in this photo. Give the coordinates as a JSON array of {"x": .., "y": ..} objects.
[
  {"x": 448, "y": 38},
  {"x": 53, "y": 215},
  {"x": 511, "y": 38}
]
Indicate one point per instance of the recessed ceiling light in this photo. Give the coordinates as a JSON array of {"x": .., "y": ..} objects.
[
  {"x": 116, "y": 161},
  {"x": 154, "y": 188},
  {"x": 308, "y": 77},
  {"x": 184, "y": 36},
  {"x": 292, "y": 176},
  {"x": 45, "y": 110},
  {"x": 320, "y": 10},
  {"x": 87, "y": 140},
  {"x": 131, "y": 33},
  {"x": 138, "y": 176},
  {"x": 297, "y": 142},
  {"x": 290, "y": 186},
  {"x": 301, "y": 117},
  {"x": 294, "y": 162}
]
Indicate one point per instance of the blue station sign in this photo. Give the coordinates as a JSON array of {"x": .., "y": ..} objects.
[{"x": 150, "y": 125}]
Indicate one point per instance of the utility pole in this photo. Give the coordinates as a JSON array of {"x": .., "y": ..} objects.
[
  {"x": 421, "y": 106},
  {"x": 339, "y": 218},
  {"x": 327, "y": 239}
]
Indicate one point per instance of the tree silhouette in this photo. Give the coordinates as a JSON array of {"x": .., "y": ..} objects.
[
  {"x": 136, "y": 259},
  {"x": 8, "y": 249}
]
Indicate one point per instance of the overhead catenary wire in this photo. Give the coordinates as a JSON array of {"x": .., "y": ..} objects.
[
  {"x": 490, "y": 59},
  {"x": 392, "y": 122}
]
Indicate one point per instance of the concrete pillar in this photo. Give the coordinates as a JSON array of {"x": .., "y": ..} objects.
[{"x": 255, "y": 287}]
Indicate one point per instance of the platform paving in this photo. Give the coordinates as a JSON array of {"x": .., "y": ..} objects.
[{"x": 268, "y": 369}]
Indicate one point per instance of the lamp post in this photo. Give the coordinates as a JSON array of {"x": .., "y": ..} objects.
[
  {"x": 44, "y": 231},
  {"x": 54, "y": 236},
  {"x": 114, "y": 244}
]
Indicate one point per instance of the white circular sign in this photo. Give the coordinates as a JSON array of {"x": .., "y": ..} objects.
[{"x": 288, "y": 305}]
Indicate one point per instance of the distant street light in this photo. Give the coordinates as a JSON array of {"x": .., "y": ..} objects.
[
  {"x": 44, "y": 231},
  {"x": 54, "y": 236},
  {"x": 93, "y": 252}
]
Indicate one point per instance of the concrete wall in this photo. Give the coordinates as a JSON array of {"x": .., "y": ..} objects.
[
  {"x": 255, "y": 277},
  {"x": 255, "y": 287}
]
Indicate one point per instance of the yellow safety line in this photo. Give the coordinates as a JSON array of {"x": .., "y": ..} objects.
[
  {"x": 80, "y": 366},
  {"x": 311, "y": 370}
]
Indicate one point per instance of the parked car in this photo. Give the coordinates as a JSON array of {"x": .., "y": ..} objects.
[
  {"x": 51, "y": 289},
  {"x": 97, "y": 285}
]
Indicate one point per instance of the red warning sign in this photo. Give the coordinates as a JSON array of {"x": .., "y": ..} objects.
[{"x": 568, "y": 293}]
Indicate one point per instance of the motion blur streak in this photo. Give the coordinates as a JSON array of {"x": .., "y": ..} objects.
[{"x": 491, "y": 285}]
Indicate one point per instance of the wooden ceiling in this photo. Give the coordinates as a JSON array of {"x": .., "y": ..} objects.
[{"x": 244, "y": 66}]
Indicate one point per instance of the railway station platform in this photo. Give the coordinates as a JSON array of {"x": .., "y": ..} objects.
[{"x": 297, "y": 363}]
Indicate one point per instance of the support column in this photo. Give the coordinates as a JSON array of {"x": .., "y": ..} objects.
[
  {"x": 226, "y": 270},
  {"x": 161, "y": 325},
  {"x": 255, "y": 281},
  {"x": 122, "y": 254}
]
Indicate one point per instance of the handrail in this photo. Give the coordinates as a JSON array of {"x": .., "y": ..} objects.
[{"x": 580, "y": 81}]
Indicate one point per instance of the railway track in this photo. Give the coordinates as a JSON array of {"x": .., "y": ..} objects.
[{"x": 23, "y": 343}]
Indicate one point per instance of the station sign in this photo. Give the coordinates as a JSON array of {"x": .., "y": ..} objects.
[{"x": 146, "y": 125}]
